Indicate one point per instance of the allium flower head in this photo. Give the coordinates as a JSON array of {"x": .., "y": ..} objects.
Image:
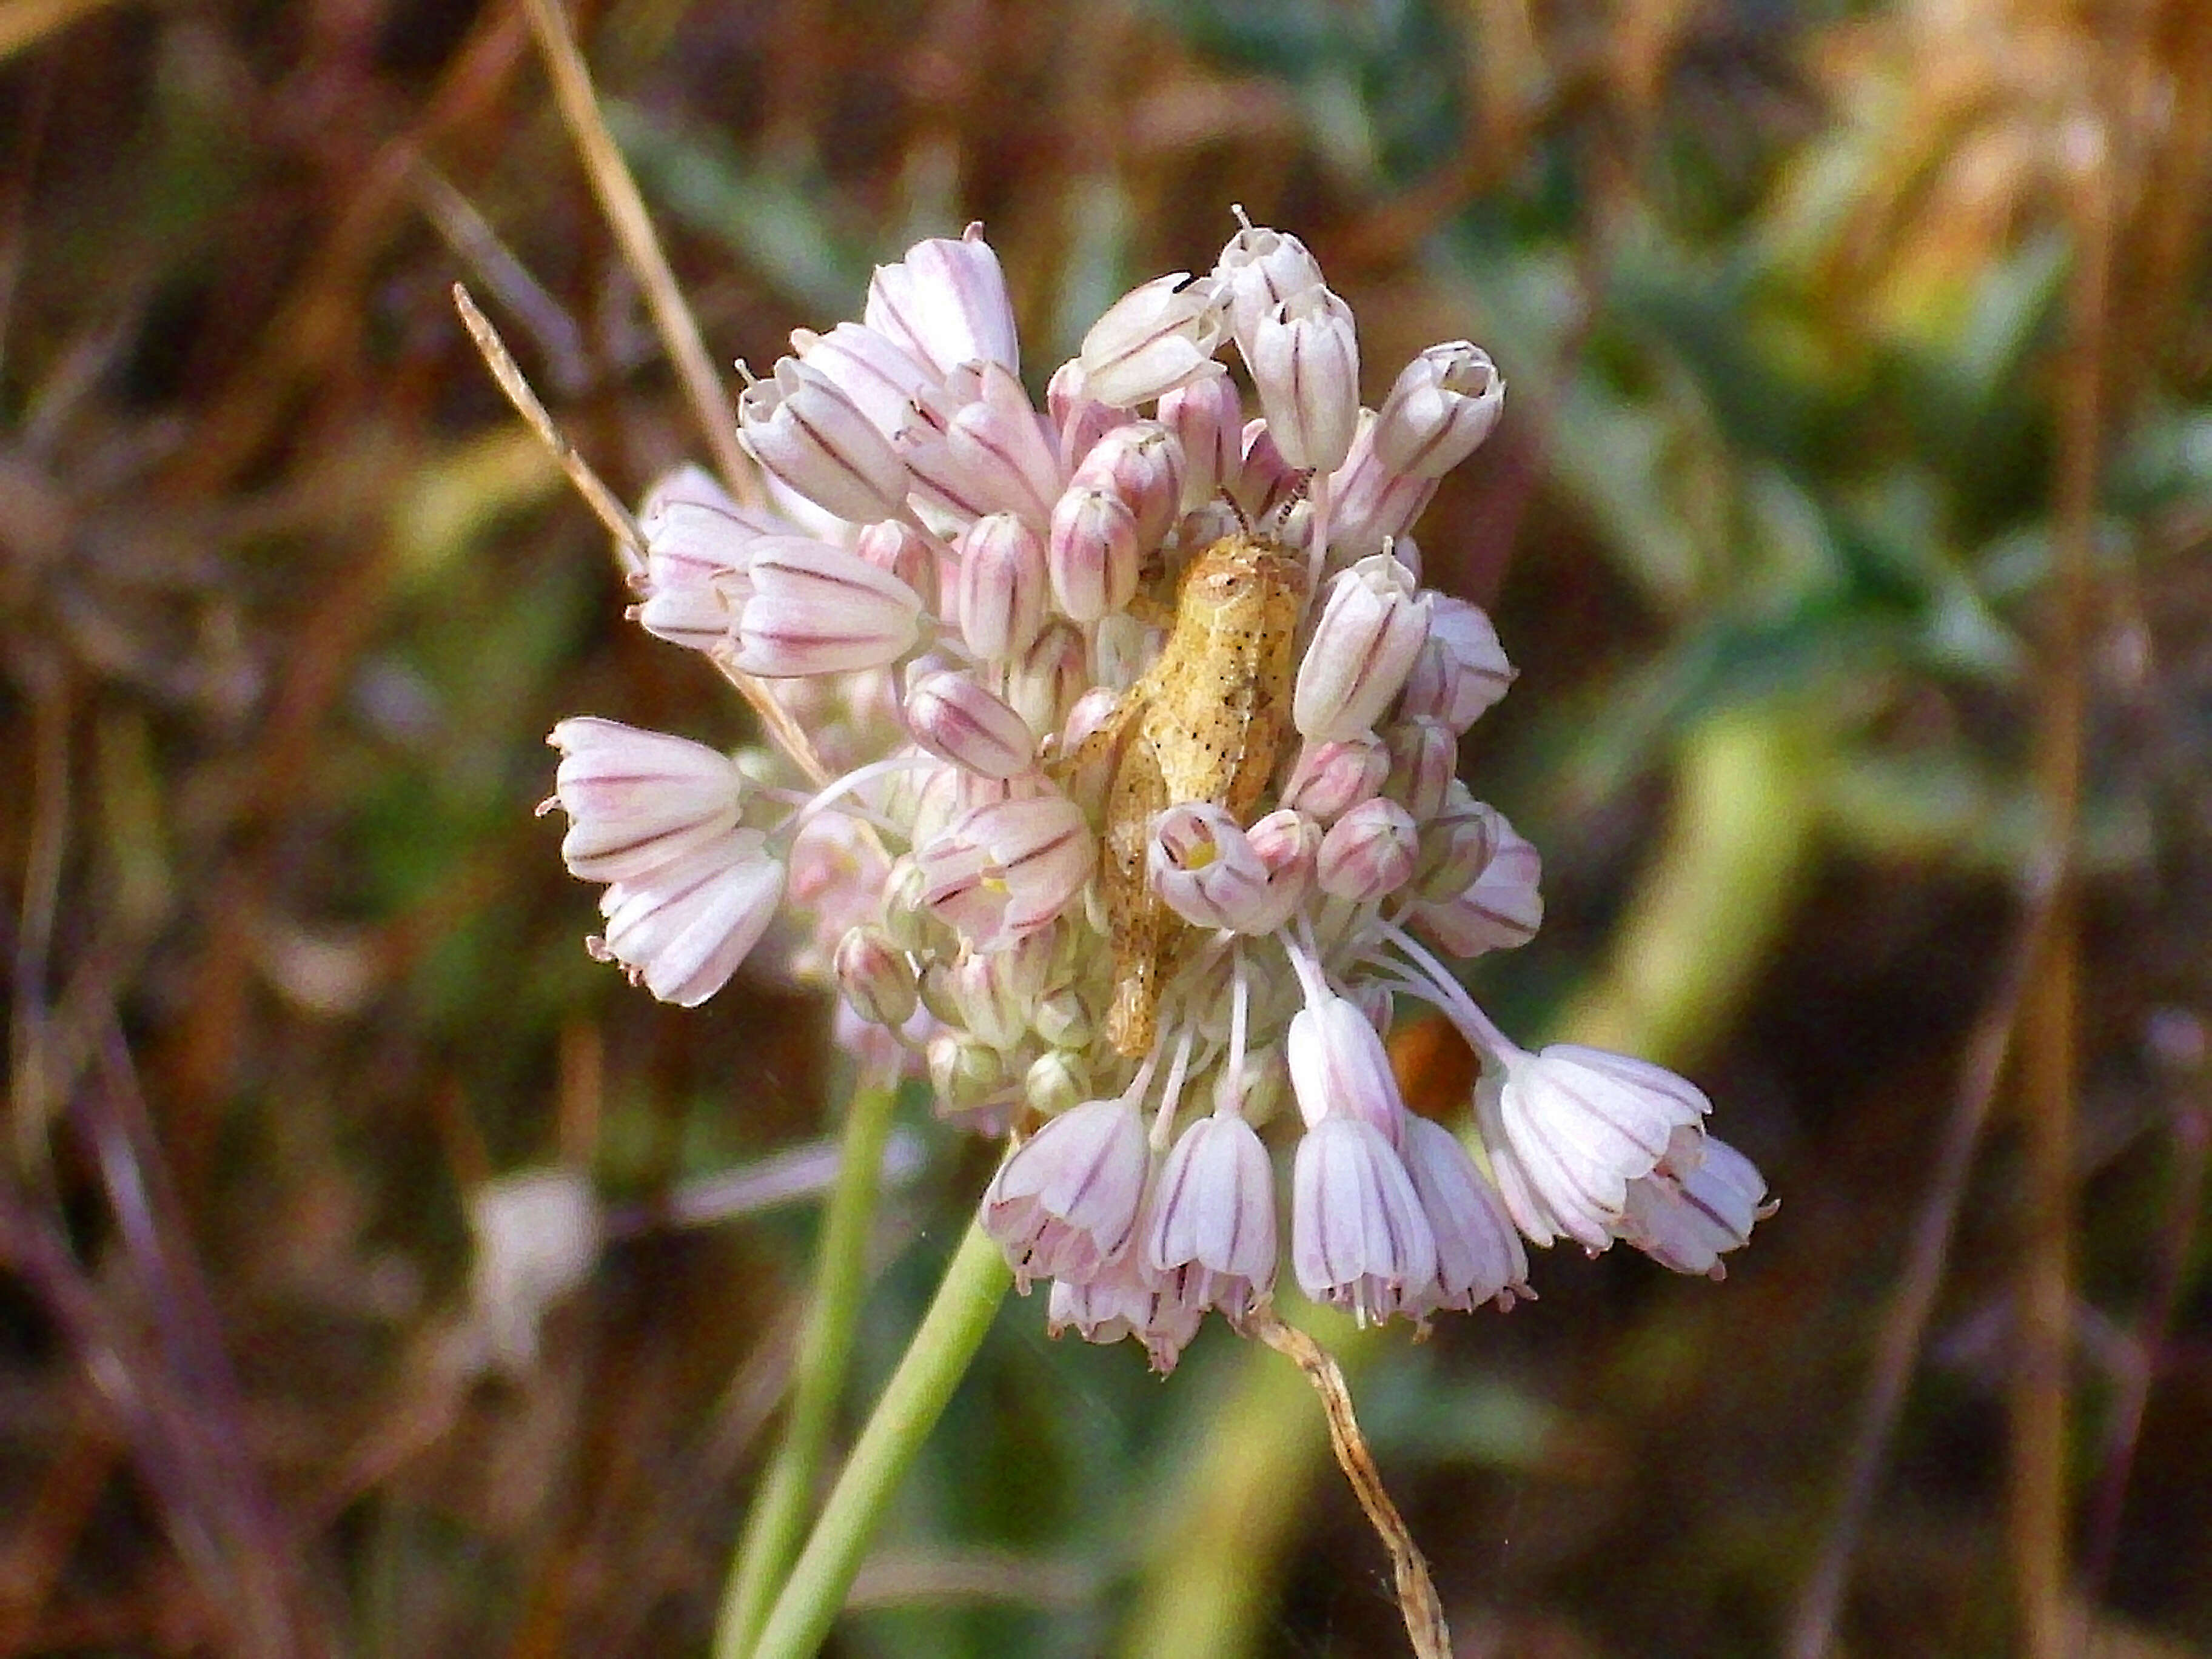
[{"x": 1141, "y": 732}]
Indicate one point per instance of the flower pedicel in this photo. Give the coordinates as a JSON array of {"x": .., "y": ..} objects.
[{"x": 1147, "y": 732}]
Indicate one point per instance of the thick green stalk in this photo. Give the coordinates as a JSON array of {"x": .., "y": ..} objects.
[
  {"x": 781, "y": 1504},
  {"x": 974, "y": 1285},
  {"x": 1737, "y": 837}
]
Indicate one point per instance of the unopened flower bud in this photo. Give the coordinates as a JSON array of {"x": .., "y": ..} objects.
[
  {"x": 954, "y": 718},
  {"x": 1062, "y": 1020},
  {"x": 879, "y": 374},
  {"x": 1079, "y": 418},
  {"x": 1499, "y": 909},
  {"x": 874, "y": 977},
  {"x": 1057, "y": 1082},
  {"x": 893, "y": 545},
  {"x": 1091, "y": 553},
  {"x": 906, "y": 922},
  {"x": 1304, "y": 359},
  {"x": 638, "y": 800},
  {"x": 1457, "y": 845},
  {"x": 819, "y": 609},
  {"x": 992, "y": 1010},
  {"x": 1461, "y": 669},
  {"x": 1258, "y": 271},
  {"x": 983, "y": 454},
  {"x": 946, "y": 304},
  {"x": 1141, "y": 465},
  {"x": 1372, "y": 626},
  {"x": 1340, "y": 1068},
  {"x": 1423, "y": 764},
  {"x": 1371, "y": 505},
  {"x": 1000, "y": 588},
  {"x": 1443, "y": 405},
  {"x": 1153, "y": 339},
  {"x": 1264, "y": 484},
  {"x": 1045, "y": 680},
  {"x": 1257, "y": 1090},
  {"x": 1329, "y": 778},
  {"x": 810, "y": 434},
  {"x": 1368, "y": 852},
  {"x": 1207, "y": 419},
  {"x": 963, "y": 1074}
]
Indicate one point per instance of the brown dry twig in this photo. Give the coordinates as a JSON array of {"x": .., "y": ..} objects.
[{"x": 1417, "y": 1594}]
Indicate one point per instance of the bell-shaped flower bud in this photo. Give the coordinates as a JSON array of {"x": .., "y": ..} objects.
[
  {"x": 1003, "y": 870},
  {"x": 819, "y": 609},
  {"x": 945, "y": 304},
  {"x": 1340, "y": 1068},
  {"x": 1066, "y": 1201},
  {"x": 1207, "y": 419},
  {"x": 1121, "y": 1301},
  {"x": 1153, "y": 339},
  {"x": 956, "y": 719},
  {"x": 1423, "y": 765},
  {"x": 1569, "y": 1128},
  {"x": 1000, "y": 591},
  {"x": 1057, "y": 1082},
  {"x": 1359, "y": 1239},
  {"x": 1258, "y": 271},
  {"x": 1501, "y": 909},
  {"x": 966, "y": 1075},
  {"x": 874, "y": 976},
  {"x": 1264, "y": 486},
  {"x": 1304, "y": 359},
  {"x": 1371, "y": 506},
  {"x": 1461, "y": 669},
  {"x": 810, "y": 434},
  {"x": 1044, "y": 681},
  {"x": 1079, "y": 418},
  {"x": 1478, "y": 1255},
  {"x": 879, "y": 374},
  {"x": 1212, "y": 1229},
  {"x": 1457, "y": 844},
  {"x": 1141, "y": 465},
  {"x": 1062, "y": 1019},
  {"x": 681, "y": 929},
  {"x": 1373, "y": 624},
  {"x": 1443, "y": 405},
  {"x": 1091, "y": 553},
  {"x": 638, "y": 800},
  {"x": 1368, "y": 853},
  {"x": 1700, "y": 1203},
  {"x": 992, "y": 1008},
  {"x": 1329, "y": 778},
  {"x": 898, "y": 547},
  {"x": 985, "y": 454}
]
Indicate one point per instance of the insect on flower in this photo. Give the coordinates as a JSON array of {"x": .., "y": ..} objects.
[{"x": 1205, "y": 725}]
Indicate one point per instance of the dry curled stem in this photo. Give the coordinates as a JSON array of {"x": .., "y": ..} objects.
[{"x": 1417, "y": 1595}]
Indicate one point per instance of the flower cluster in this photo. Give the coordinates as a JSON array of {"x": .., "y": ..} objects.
[{"x": 957, "y": 596}]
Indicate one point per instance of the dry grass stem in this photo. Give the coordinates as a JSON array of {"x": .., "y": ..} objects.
[
  {"x": 1417, "y": 1594},
  {"x": 641, "y": 247},
  {"x": 630, "y": 545}
]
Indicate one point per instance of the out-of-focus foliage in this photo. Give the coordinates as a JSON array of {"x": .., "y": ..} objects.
[{"x": 1790, "y": 300}]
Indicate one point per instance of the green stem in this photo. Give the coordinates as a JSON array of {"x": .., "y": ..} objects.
[
  {"x": 975, "y": 1284},
  {"x": 780, "y": 1507}
]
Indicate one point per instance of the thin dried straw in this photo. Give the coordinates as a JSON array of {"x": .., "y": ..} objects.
[
  {"x": 1417, "y": 1595},
  {"x": 629, "y": 544},
  {"x": 641, "y": 247}
]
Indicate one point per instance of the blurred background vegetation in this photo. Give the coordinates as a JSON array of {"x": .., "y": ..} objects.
[{"x": 1848, "y": 525}]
